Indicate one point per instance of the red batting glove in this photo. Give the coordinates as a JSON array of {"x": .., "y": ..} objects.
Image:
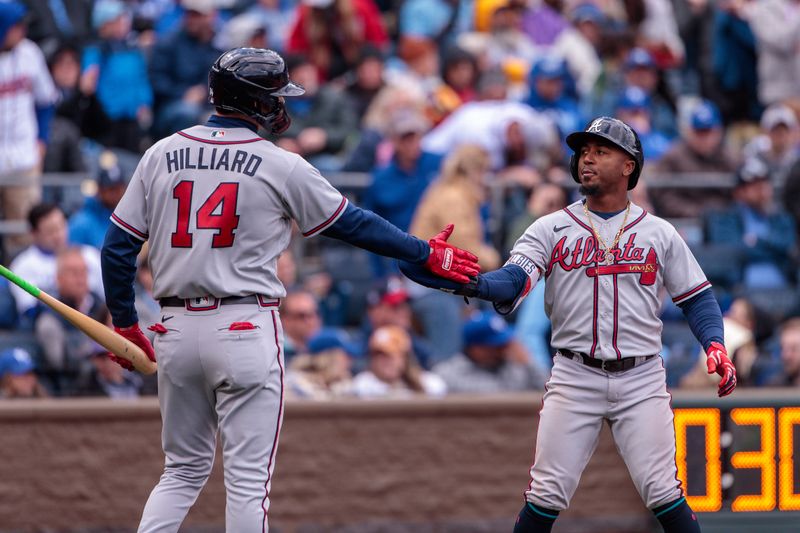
[
  {"x": 718, "y": 362},
  {"x": 450, "y": 262},
  {"x": 135, "y": 335}
]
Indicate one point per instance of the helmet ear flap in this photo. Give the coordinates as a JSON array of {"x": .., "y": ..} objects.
[{"x": 573, "y": 168}]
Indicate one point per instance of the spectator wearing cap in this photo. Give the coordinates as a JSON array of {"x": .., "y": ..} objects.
[
  {"x": 766, "y": 232},
  {"x": 331, "y": 33},
  {"x": 107, "y": 379},
  {"x": 397, "y": 187},
  {"x": 634, "y": 107},
  {"x": 733, "y": 62},
  {"x": 776, "y": 26},
  {"x": 326, "y": 370},
  {"x": 389, "y": 304},
  {"x": 577, "y": 43},
  {"x": 301, "y": 321},
  {"x": 492, "y": 361},
  {"x": 547, "y": 81},
  {"x": 17, "y": 377},
  {"x": 89, "y": 224},
  {"x": 27, "y": 99},
  {"x": 179, "y": 69},
  {"x": 699, "y": 150},
  {"x": 120, "y": 69},
  {"x": 641, "y": 70},
  {"x": 392, "y": 370},
  {"x": 37, "y": 263},
  {"x": 778, "y": 143},
  {"x": 322, "y": 121}
]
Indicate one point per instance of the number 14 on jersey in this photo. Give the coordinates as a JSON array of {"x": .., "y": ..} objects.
[{"x": 217, "y": 212}]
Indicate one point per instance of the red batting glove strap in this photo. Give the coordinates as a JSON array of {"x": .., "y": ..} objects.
[
  {"x": 449, "y": 262},
  {"x": 135, "y": 335},
  {"x": 718, "y": 362}
]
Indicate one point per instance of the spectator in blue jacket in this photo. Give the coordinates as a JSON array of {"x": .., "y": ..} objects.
[
  {"x": 397, "y": 188},
  {"x": 639, "y": 69},
  {"x": 120, "y": 69},
  {"x": 766, "y": 232},
  {"x": 179, "y": 69},
  {"x": 548, "y": 95},
  {"x": 89, "y": 224},
  {"x": 635, "y": 107},
  {"x": 733, "y": 62}
]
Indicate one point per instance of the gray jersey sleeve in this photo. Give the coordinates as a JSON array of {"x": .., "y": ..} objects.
[
  {"x": 530, "y": 253},
  {"x": 310, "y": 200},
  {"x": 131, "y": 212},
  {"x": 683, "y": 277},
  {"x": 532, "y": 250}
]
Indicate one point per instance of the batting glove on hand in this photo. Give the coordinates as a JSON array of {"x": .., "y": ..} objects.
[
  {"x": 449, "y": 262},
  {"x": 135, "y": 335},
  {"x": 718, "y": 362}
]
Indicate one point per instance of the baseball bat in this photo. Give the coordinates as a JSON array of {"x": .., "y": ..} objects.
[{"x": 100, "y": 333}]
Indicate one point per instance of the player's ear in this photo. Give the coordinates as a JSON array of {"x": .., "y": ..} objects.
[{"x": 630, "y": 166}]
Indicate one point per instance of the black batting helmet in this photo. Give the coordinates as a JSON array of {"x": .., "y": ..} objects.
[
  {"x": 252, "y": 81},
  {"x": 616, "y": 132}
]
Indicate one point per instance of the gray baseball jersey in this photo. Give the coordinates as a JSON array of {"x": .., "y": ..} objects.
[
  {"x": 605, "y": 305},
  {"x": 618, "y": 301},
  {"x": 216, "y": 205}
]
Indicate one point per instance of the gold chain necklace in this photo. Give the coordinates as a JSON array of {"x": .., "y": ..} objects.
[{"x": 608, "y": 257}]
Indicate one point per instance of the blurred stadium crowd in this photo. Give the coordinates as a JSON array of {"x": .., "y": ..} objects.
[{"x": 426, "y": 112}]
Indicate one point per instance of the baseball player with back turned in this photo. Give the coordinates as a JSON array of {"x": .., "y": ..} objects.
[
  {"x": 605, "y": 261},
  {"x": 216, "y": 203}
]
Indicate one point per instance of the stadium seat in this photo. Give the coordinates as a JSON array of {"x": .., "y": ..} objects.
[{"x": 723, "y": 264}]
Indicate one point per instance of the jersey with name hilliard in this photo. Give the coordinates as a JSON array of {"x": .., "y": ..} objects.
[
  {"x": 607, "y": 309},
  {"x": 216, "y": 205}
]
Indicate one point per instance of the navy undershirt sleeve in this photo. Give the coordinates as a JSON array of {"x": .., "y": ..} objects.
[
  {"x": 118, "y": 260},
  {"x": 369, "y": 231},
  {"x": 502, "y": 285},
  {"x": 705, "y": 318}
]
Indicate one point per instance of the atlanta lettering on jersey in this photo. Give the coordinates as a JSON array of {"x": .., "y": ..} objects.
[
  {"x": 586, "y": 253},
  {"x": 213, "y": 159}
]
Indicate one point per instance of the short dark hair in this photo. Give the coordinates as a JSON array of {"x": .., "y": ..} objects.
[{"x": 38, "y": 212}]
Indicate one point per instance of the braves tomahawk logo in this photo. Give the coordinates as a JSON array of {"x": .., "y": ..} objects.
[{"x": 628, "y": 259}]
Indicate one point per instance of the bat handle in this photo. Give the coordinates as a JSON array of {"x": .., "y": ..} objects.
[{"x": 28, "y": 287}]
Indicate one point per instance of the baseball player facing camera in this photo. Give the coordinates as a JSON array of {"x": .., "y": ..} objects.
[
  {"x": 216, "y": 203},
  {"x": 605, "y": 261}
]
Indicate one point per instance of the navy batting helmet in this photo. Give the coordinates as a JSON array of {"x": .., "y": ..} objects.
[
  {"x": 617, "y": 133},
  {"x": 252, "y": 81}
]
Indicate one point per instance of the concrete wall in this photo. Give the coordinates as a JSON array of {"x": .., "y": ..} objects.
[{"x": 458, "y": 464}]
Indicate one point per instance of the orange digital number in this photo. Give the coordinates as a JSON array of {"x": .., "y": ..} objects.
[
  {"x": 709, "y": 419},
  {"x": 788, "y": 418},
  {"x": 763, "y": 459}
]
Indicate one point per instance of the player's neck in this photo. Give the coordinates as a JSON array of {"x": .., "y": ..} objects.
[{"x": 607, "y": 203}]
